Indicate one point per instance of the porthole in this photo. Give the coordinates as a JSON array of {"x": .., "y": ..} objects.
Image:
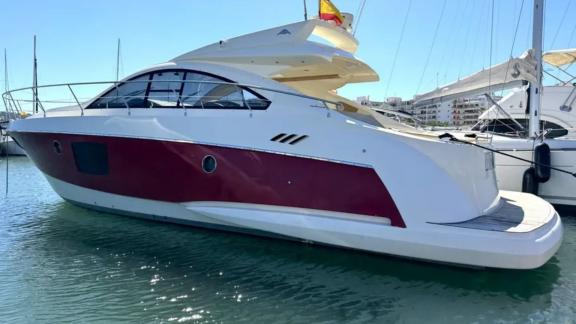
[
  {"x": 57, "y": 147},
  {"x": 209, "y": 164}
]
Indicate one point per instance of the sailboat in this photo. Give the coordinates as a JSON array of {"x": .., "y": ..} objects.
[
  {"x": 249, "y": 135},
  {"x": 7, "y": 144},
  {"x": 558, "y": 110},
  {"x": 533, "y": 138}
]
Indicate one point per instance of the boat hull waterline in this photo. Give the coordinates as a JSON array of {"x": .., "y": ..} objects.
[{"x": 453, "y": 245}]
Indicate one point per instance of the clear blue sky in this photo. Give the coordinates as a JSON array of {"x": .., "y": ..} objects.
[{"x": 77, "y": 39}]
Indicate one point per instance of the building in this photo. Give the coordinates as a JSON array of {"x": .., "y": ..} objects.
[
  {"x": 461, "y": 112},
  {"x": 437, "y": 113},
  {"x": 465, "y": 111}
]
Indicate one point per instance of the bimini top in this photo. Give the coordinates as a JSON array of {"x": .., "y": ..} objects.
[
  {"x": 288, "y": 54},
  {"x": 560, "y": 57}
]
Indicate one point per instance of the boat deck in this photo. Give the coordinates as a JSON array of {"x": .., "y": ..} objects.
[{"x": 515, "y": 215}]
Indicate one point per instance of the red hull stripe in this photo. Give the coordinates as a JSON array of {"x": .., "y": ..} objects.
[{"x": 172, "y": 171}]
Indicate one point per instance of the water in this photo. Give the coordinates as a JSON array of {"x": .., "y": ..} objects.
[{"x": 62, "y": 263}]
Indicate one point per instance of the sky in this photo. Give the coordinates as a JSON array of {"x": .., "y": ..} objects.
[{"x": 442, "y": 39}]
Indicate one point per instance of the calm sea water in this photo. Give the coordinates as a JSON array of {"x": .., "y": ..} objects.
[{"x": 62, "y": 263}]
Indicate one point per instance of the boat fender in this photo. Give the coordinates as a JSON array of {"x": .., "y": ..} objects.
[
  {"x": 529, "y": 181},
  {"x": 542, "y": 162}
]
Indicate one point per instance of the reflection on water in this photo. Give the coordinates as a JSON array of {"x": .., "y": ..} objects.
[{"x": 59, "y": 262}]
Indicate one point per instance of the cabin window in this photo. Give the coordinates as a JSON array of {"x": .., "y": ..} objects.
[
  {"x": 554, "y": 130},
  {"x": 129, "y": 94},
  {"x": 181, "y": 89},
  {"x": 508, "y": 127},
  {"x": 164, "y": 89},
  {"x": 255, "y": 102},
  {"x": 204, "y": 91}
]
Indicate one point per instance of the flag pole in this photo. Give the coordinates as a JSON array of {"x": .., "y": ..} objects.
[{"x": 305, "y": 11}]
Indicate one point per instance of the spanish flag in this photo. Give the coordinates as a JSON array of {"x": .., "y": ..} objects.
[{"x": 328, "y": 11}]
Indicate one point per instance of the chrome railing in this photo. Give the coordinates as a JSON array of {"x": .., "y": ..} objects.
[{"x": 186, "y": 94}]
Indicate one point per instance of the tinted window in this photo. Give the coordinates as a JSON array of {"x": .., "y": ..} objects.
[
  {"x": 196, "y": 88},
  {"x": 255, "y": 102},
  {"x": 130, "y": 93},
  {"x": 509, "y": 127},
  {"x": 554, "y": 130},
  {"x": 166, "y": 89}
]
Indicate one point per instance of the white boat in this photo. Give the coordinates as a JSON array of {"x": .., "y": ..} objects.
[
  {"x": 514, "y": 129},
  {"x": 558, "y": 110},
  {"x": 558, "y": 115},
  {"x": 7, "y": 144},
  {"x": 9, "y": 147},
  {"x": 249, "y": 135}
]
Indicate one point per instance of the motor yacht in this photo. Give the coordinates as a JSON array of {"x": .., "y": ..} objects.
[{"x": 249, "y": 135}]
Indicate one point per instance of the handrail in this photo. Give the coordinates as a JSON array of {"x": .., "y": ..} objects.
[
  {"x": 116, "y": 83},
  {"x": 15, "y": 108}
]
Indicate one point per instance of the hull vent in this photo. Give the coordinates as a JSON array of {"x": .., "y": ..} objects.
[{"x": 288, "y": 138}]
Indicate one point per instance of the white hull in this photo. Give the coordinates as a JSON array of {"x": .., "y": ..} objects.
[
  {"x": 452, "y": 244},
  {"x": 559, "y": 190}
]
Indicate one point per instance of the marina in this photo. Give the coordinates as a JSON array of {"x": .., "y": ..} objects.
[
  {"x": 60, "y": 262},
  {"x": 158, "y": 190}
]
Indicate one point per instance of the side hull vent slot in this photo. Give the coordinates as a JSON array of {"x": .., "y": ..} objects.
[
  {"x": 291, "y": 139},
  {"x": 298, "y": 139},
  {"x": 287, "y": 138},
  {"x": 277, "y": 137}
]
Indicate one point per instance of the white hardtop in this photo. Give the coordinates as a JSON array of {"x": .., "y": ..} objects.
[{"x": 290, "y": 55}]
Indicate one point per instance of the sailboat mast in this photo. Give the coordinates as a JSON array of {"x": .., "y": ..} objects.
[
  {"x": 35, "y": 80},
  {"x": 118, "y": 60},
  {"x": 536, "y": 87},
  {"x": 6, "y": 85}
]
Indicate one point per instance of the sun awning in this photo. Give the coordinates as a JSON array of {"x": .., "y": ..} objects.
[
  {"x": 560, "y": 57},
  {"x": 507, "y": 75}
]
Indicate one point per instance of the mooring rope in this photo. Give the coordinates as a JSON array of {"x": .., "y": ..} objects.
[{"x": 452, "y": 138}]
